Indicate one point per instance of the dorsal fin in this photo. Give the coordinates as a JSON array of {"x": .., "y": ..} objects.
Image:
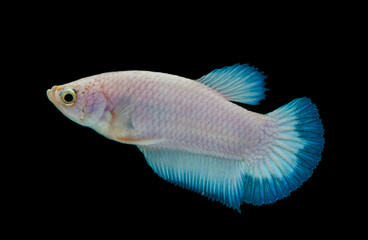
[{"x": 238, "y": 83}]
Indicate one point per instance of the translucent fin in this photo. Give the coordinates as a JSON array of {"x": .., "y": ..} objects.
[
  {"x": 123, "y": 128},
  {"x": 218, "y": 179},
  {"x": 296, "y": 151},
  {"x": 238, "y": 83}
]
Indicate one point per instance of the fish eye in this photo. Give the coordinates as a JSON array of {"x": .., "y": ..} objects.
[{"x": 68, "y": 96}]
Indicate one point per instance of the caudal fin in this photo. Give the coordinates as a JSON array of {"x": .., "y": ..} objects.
[{"x": 296, "y": 151}]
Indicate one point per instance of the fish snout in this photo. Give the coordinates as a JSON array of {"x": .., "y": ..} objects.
[{"x": 51, "y": 94}]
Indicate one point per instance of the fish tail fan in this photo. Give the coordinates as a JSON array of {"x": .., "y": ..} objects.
[{"x": 289, "y": 160}]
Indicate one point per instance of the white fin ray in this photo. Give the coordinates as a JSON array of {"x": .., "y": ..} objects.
[{"x": 217, "y": 178}]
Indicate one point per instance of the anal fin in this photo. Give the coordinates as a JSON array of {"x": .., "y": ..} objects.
[{"x": 217, "y": 178}]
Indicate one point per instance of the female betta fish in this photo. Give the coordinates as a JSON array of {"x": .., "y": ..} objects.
[{"x": 192, "y": 135}]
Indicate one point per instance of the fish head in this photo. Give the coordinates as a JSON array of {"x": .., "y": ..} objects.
[{"x": 81, "y": 101}]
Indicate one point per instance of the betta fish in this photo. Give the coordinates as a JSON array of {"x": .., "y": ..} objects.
[{"x": 193, "y": 135}]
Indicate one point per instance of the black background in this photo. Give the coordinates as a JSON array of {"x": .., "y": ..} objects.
[{"x": 78, "y": 177}]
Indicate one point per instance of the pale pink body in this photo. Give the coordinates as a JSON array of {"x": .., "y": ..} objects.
[{"x": 179, "y": 113}]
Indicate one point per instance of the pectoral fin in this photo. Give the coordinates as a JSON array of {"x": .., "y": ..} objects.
[{"x": 122, "y": 126}]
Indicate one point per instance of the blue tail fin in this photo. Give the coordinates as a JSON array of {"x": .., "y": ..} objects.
[{"x": 296, "y": 151}]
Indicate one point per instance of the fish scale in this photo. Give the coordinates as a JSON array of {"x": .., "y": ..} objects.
[
  {"x": 168, "y": 114},
  {"x": 192, "y": 135}
]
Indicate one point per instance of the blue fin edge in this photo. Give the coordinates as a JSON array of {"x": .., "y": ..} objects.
[
  {"x": 217, "y": 178},
  {"x": 238, "y": 83},
  {"x": 291, "y": 160}
]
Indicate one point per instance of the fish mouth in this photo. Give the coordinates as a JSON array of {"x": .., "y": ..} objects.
[{"x": 51, "y": 94}]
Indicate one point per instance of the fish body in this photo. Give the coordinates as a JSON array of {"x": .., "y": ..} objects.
[{"x": 193, "y": 135}]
